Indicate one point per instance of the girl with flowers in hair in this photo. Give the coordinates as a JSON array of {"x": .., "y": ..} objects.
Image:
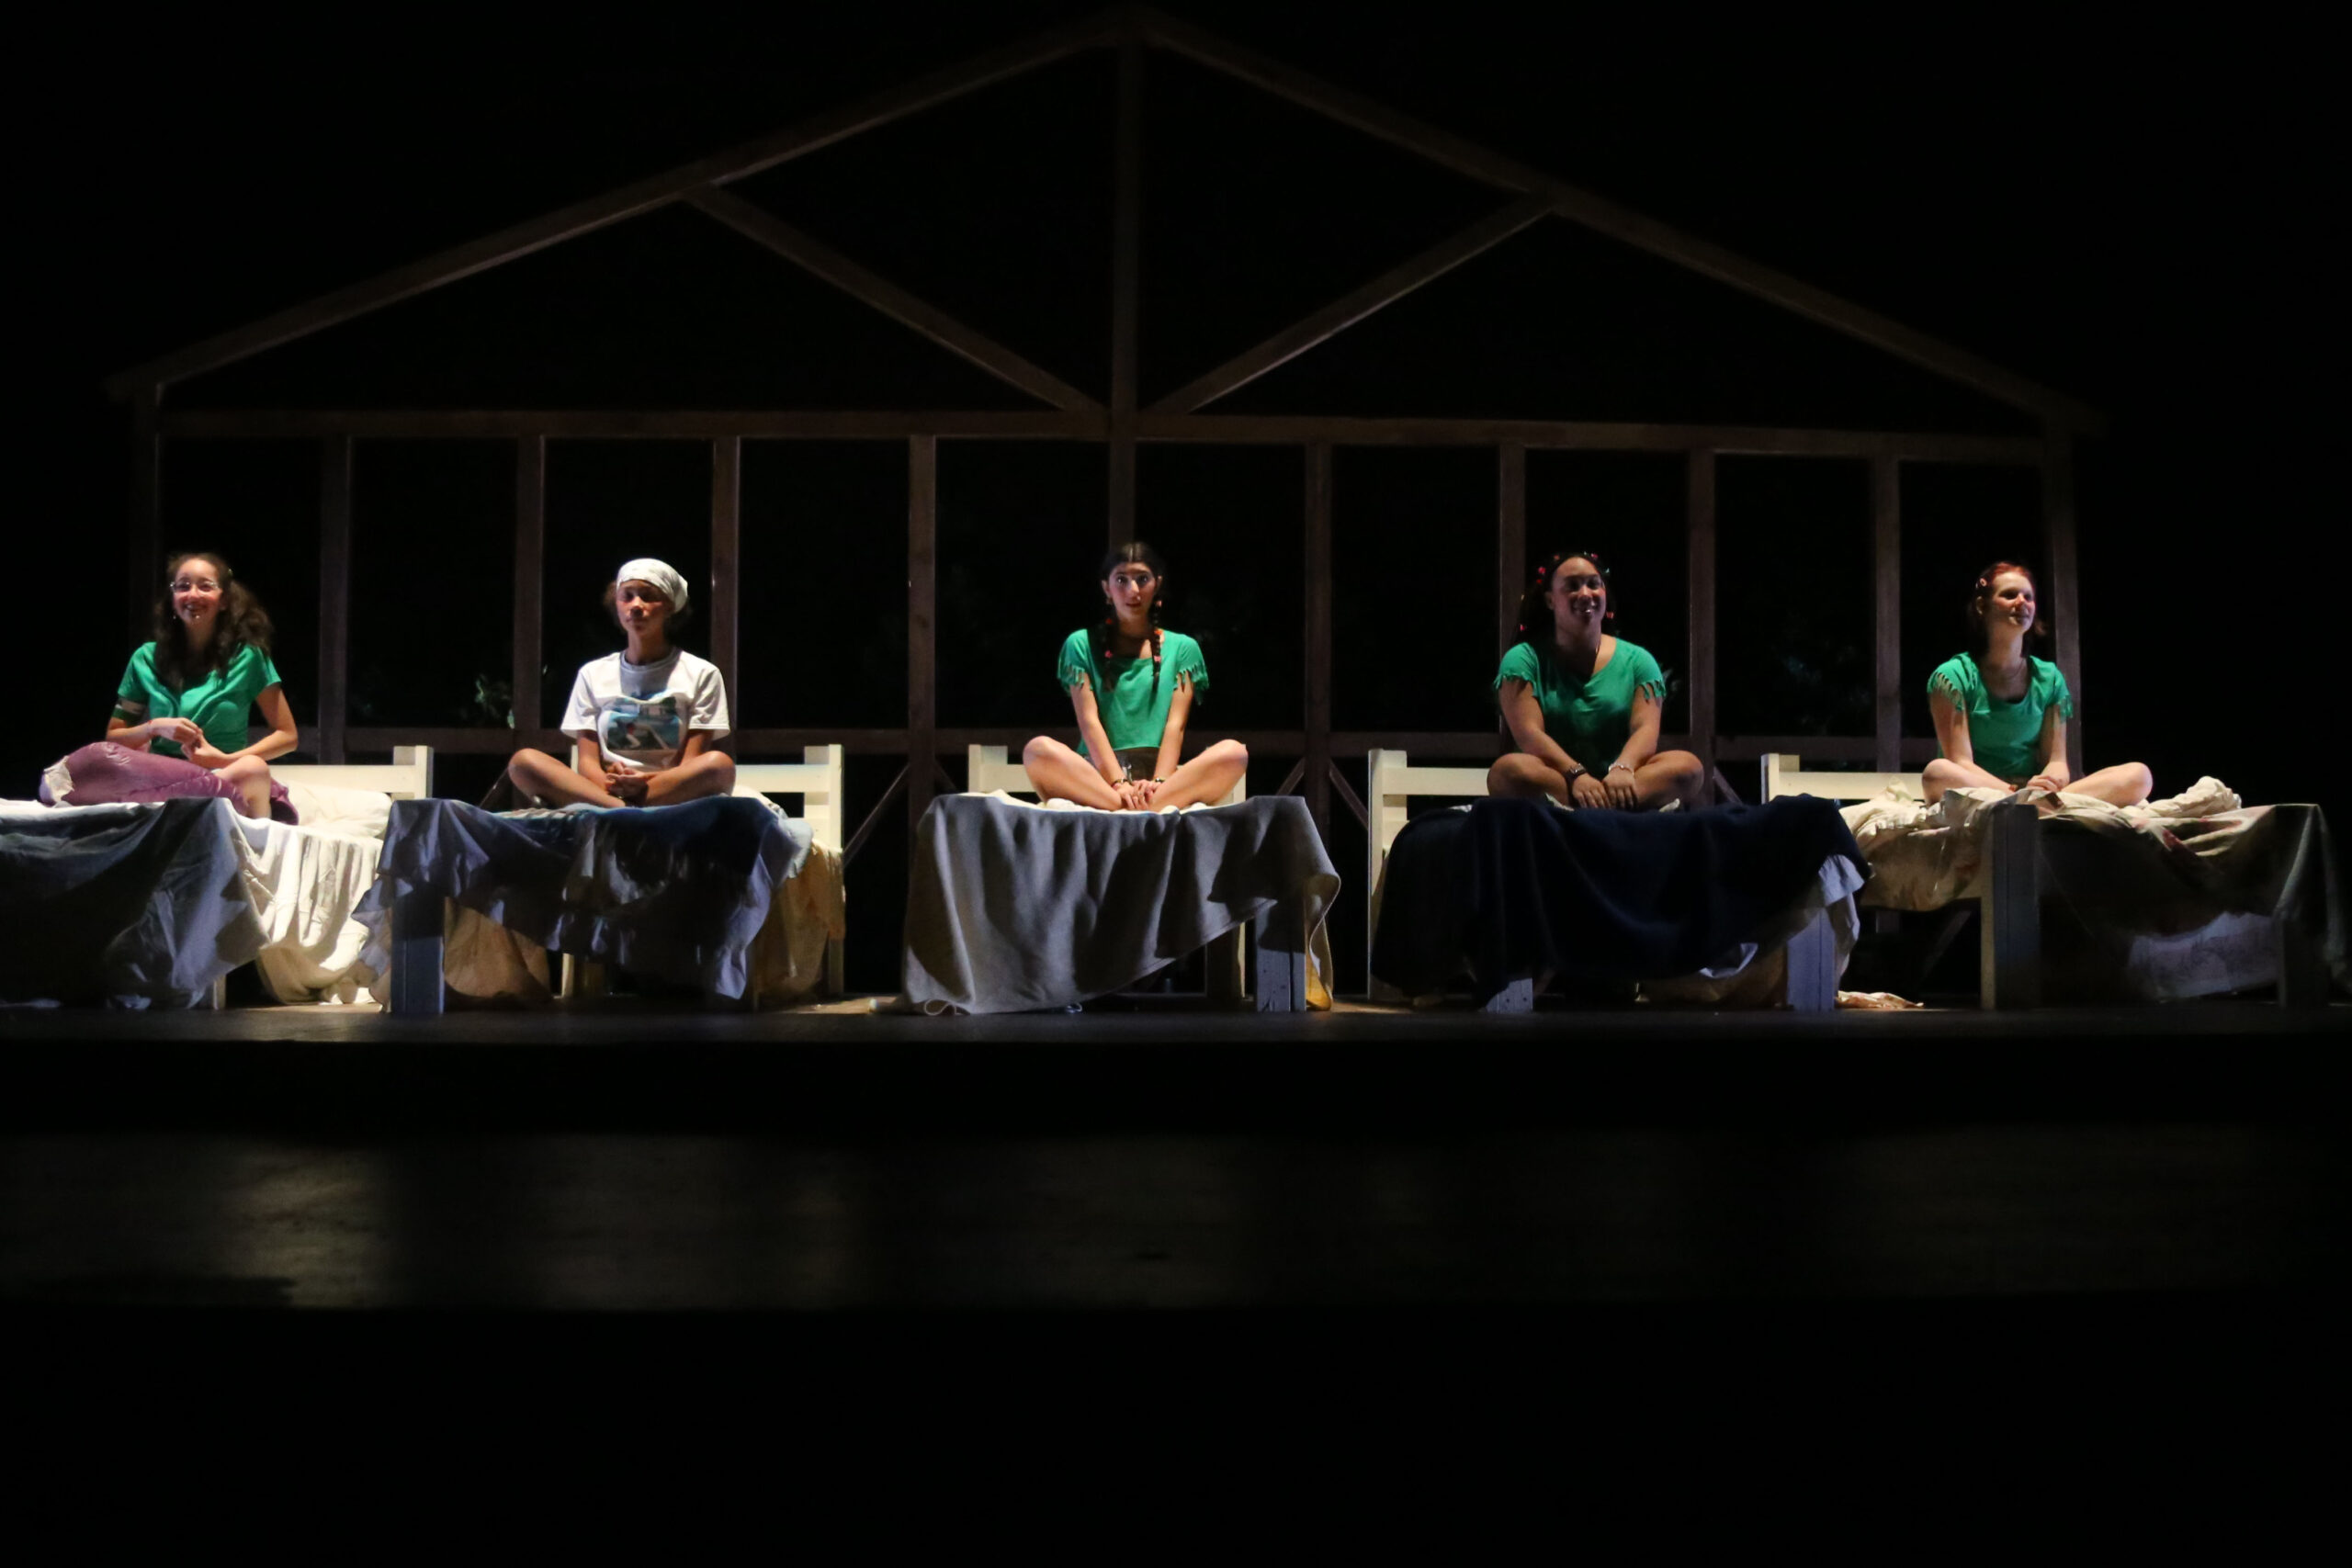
[
  {"x": 1583, "y": 705},
  {"x": 1133, "y": 687},
  {"x": 2001, "y": 712},
  {"x": 182, "y": 711},
  {"x": 645, "y": 719}
]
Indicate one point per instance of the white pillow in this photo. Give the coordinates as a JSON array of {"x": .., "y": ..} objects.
[{"x": 354, "y": 812}]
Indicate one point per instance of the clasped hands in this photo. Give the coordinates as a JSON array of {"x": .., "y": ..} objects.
[
  {"x": 1135, "y": 795},
  {"x": 1614, "y": 790}
]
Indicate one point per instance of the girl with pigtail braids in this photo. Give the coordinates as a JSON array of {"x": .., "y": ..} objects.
[
  {"x": 1131, "y": 687},
  {"x": 1583, "y": 705}
]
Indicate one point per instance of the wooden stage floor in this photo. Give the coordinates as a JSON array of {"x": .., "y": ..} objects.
[{"x": 634, "y": 1157}]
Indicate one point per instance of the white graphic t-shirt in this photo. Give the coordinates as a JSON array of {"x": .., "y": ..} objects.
[{"x": 639, "y": 714}]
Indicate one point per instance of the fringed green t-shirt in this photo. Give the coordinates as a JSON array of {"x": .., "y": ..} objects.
[
  {"x": 219, "y": 704},
  {"x": 2006, "y": 737},
  {"x": 1590, "y": 716},
  {"x": 1133, "y": 705}
]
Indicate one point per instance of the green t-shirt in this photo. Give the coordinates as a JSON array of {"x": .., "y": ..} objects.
[
  {"x": 1591, "y": 718},
  {"x": 1134, "y": 713},
  {"x": 2006, "y": 737},
  {"x": 219, "y": 704}
]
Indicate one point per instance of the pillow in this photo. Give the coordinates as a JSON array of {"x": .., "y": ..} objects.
[{"x": 353, "y": 813}]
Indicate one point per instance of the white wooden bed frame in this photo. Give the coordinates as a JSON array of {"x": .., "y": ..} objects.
[
  {"x": 987, "y": 769},
  {"x": 409, "y": 776},
  {"x": 1392, "y": 784},
  {"x": 2009, "y": 912}
]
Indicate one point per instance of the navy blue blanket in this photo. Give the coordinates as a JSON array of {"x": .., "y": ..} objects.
[
  {"x": 1515, "y": 888},
  {"x": 676, "y": 891}
]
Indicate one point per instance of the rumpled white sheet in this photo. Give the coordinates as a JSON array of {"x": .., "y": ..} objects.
[
  {"x": 1923, "y": 856},
  {"x": 304, "y": 884}
]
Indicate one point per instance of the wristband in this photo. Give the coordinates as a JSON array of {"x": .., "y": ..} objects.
[
  {"x": 1576, "y": 771},
  {"x": 1620, "y": 763}
]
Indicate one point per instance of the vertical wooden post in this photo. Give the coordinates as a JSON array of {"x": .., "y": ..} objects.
[
  {"x": 725, "y": 564},
  {"x": 1886, "y": 562},
  {"x": 1316, "y": 776},
  {"x": 922, "y": 632},
  {"x": 1511, "y": 544},
  {"x": 146, "y": 553},
  {"x": 1700, "y": 515},
  {"x": 1127, "y": 262},
  {"x": 531, "y": 552},
  {"x": 334, "y": 596},
  {"x": 2060, "y": 586}
]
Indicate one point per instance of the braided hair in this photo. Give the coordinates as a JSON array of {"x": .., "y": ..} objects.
[
  {"x": 1133, "y": 553},
  {"x": 1536, "y": 622}
]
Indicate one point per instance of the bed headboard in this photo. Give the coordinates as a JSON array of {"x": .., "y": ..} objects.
[
  {"x": 409, "y": 776},
  {"x": 986, "y": 770},
  {"x": 1781, "y": 777},
  {"x": 1390, "y": 783},
  {"x": 816, "y": 780}
]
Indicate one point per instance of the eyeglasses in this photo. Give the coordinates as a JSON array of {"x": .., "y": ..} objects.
[{"x": 187, "y": 583}]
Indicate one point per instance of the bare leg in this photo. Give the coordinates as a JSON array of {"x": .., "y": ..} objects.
[
  {"x": 1207, "y": 777},
  {"x": 251, "y": 775},
  {"x": 1524, "y": 777},
  {"x": 713, "y": 773},
  {"x": 540, "y": 776},
  {"x": 1943, "y": 774},
  {"x": 1670, "y": 775},
  {"x": 1058, "y": 772},
  {"x": 2126, "y": 784}
]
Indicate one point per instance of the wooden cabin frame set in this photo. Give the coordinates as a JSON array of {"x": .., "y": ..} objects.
[{"x": 1525, "y": 197}]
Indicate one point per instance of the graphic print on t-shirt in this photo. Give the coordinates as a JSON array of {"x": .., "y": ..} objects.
[{"x": 643, "y": 724}]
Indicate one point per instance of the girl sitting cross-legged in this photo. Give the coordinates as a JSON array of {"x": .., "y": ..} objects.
[
  {"x": 646, "y": 718},
  {"x": 2001, "y": 713},
  {"x": 1584, "y": 705},
  {"x": 1131, "y": 687}
]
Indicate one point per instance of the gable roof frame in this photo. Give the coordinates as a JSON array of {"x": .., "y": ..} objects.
[{"x": 700, "y": 184}]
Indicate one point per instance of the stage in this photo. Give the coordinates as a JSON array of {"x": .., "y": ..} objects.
[{"x": 637, "y": 1157}]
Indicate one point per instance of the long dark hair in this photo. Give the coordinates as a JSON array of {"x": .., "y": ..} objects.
[
  {"x": 1135, "y": 552},
  {"x": 240, "y": 624},
  {"x": 1981, "y": 594},
  {"x": 1535, "y": 620}
]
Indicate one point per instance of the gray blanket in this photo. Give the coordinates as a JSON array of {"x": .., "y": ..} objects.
[
  {"x": 138, "y": 904},
  {"x": 674, "y": 891},
  {"x": 1012, "y": 906}
]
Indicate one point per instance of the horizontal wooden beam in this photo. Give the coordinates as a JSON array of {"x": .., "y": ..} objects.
[
  {"x": 1618, "y": 222},
  {"x": 806, "y": 251},
  {"x": 1354, "y": 306},
  {"x": 1480, "y": 744},
  {"x": 642, "y": 196},
  {"x": 1291, "y": 430},
  {"x": 659, "y": 425}
]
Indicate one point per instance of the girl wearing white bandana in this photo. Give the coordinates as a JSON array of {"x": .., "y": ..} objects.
[{"x": 646, "y": 719}]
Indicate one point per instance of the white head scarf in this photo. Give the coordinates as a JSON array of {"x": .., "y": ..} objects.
[{"x": 660, "y": 573}]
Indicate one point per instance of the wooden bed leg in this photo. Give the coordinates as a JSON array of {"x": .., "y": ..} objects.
[
  {"x": 2010, "y": 919},
  {"x": 1282, "y": 960},
  {"x": 1228, "y": 977},
  {"x": 1812, "y": 964},
  {"x": 834, "y": 985},
  {"x": 417, "y": 929},
  {"x": 1516, "y": 996}
]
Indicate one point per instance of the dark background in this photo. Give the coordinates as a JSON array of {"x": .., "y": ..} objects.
[{"x": 2130, "y": 218}]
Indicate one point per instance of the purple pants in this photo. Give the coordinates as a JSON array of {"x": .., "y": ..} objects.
[{"x": 104, "y": 774}]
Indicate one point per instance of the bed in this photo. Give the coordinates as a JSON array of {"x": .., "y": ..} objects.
[
  {"x": 1714, "y": 908},
  {"x": 153, "y": 904},
  {"x": 1015, "y": 907},
  {"x": 726, "y": 895},
  {"x": 2193, "y": 895}
]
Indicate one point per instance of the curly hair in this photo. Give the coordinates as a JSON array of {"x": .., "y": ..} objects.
[
  {"x": 1980, "y": 591},
  {"x": 1134, "y": 552},
  {"x": 1535, "y": 621},
  {"x": 241, "y": 624}
]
